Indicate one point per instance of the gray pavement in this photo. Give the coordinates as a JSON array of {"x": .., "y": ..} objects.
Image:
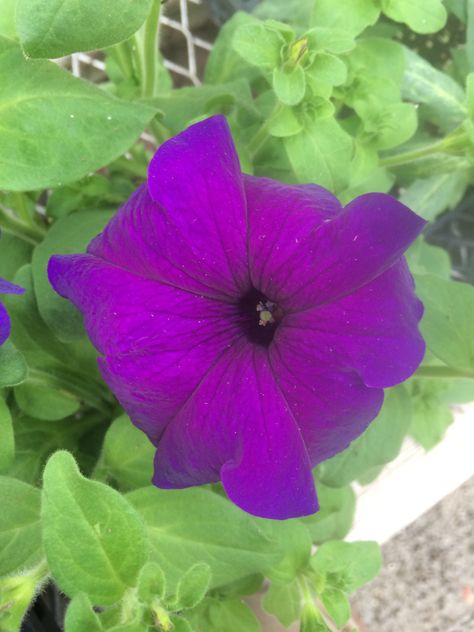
[{"x": 427, "y": 582}]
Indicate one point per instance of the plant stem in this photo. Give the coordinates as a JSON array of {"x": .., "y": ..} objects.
[
  {"x": 443, "y": 372},
  {"x": 150, "y": 50},
  {"x": 91, "y": 395},
  {"x": 31, "y": 234},
  {"x": 123, "y": 56},
  {"x": 442, "y": 146},
  {"x": 262, "y": 135}
]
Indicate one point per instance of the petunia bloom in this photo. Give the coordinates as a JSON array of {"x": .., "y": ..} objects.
[
  {"x": 6, "y": 288},
  {"x": 248, "y": 327}
]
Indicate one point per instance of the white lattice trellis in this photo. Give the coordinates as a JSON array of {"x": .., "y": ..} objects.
[{"x": 81, "y": 61}]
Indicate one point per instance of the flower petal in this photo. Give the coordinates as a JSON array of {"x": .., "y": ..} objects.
[
  {"x": 281, "y": 218},
  {"x": 4, "y": 324},
  {"x": 238, "y": 427},
  {"x": 325, "y": 261},
  {"x": 332, "y": 406},
  {"x": 192, "y": 231},
  {"x": 373, "y": 330},
  {"x": 158, "y": 341},
  {"x": 10, "y": 288}
]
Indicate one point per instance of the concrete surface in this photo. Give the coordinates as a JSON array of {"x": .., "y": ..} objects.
[{"x": 427, "y": 583}]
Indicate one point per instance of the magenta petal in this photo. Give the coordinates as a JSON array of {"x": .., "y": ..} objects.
[
  {"x": 195, "y": 177},
  {"x": 332, "y": 406},
  {"x": 373, "y": 330},
  {"x": 4, "y": 324},
  {"x": 238, "y": 427},
  {"x": 158, "y": 340},
  {"x": 10, "y": 288},
  {"x": 339, "y": 255},
  {"x": 281, "y": 218}
]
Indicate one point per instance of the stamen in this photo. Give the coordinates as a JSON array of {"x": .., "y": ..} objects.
[{"x": 265, "y": 309}]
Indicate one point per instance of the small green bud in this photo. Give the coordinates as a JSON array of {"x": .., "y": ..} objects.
[{"x": 297, "y": 50}]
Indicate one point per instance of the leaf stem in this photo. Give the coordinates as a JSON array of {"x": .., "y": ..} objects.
[
  {"x": 150, "y": 50},
  {"x": 454, "y": 141},
  {"x": 443, "y": 372},
  {"x": 122, "y": 54},
  {"x": 31, "y": 234},
  {"x": 262, "y": 135},
  {"x": 91, "y": 395}
]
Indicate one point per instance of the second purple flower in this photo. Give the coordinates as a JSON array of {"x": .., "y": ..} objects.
[{"x": 247, "y": 326}]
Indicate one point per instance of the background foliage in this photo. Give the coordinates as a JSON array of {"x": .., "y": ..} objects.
[{"x": 355, "y": 96}]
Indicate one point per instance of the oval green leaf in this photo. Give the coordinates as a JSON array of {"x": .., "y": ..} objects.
[
  {"x": 94, "y": 540},
  {"x": 55, "y": 128},
  {"x": 54, "y": 28},
  {"x": 20, "y": 533}
]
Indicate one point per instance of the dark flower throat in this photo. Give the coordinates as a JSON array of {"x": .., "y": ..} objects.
[{"x": 259, "y": 317}]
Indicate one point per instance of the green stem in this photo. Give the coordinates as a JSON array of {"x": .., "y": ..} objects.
[
  {"x": 32, "y": 234},
  {"x": 455, "y": 141},
  {"x": 443, "y": 372},
  {"x": 123, "y": 56},
  {"x": 91, "y": 395},
  {"x": 150, "y": 50},
  {"x": 262, "y": 135},
  {"x": 136, "y": 47},
  {"x": 160, "y": 132}
]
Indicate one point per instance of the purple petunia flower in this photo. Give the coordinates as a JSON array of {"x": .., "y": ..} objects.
[
  {"x": 6, "y": 288},
  {"x": 247, "y": 326}
]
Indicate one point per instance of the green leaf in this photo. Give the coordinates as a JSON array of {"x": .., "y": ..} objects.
[
  {"x": 353, "y": 16},
  {"x": 447, "y": 325},
  {"x": 334, "y": 40},
  {"x": 70, "y": 234},
  {"x": 321, "y": 154},
  {"x": 7, "y": 439},
  {"x": 422, "y": 16},
  {"x": 192, "y": 586},
  {"x": 258, "y": 45},
  {"x": 334, "y": 518},
  {"x": 377, "y": 66},
  {"x": 224, "y": 63},
  {"x": 55, "y": 28},
  {"x": 197, "y": 525},
  {"x": 289, "y": 84},
  {"x": 186, "y": 104},
  {"x": 442, "y": 97},
  {"x": 311, "y": 619},
  {"x": 128, "y": 454},
  {"x": 151, "y": 583},
  {"x": 379, "y": 444},
  {"x": 431, "y": 415},
  {"x": 431, "y": 196},
  {"x": 389, "y": 125},
  {"x": 294, "y": 12},
  {"x": 284, "y": 123},
  {"x": 14, "y": 253},
  {"x": 20, "y": 532},
  {"x": 295, "y": 543},
  {"x": 426, "y": 259},
  {"x": 283, "y": 601},
  {"x": 7, "y": 18},
  {"x": 337, "y": 605},
  {"x": 94, "y": 540},
  {"x": 13, "y": 369},
  {"x": 232, "y": 614},
  {"x": 44, "y": 402},
  {"x": 80, "y": 617},
  {"x": 52, "y": 136},
  {"x": 347, "y": 565},
  {"x": 328, "y": 69}
]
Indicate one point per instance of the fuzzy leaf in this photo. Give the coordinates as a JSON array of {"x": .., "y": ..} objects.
[
  {"x": 55, "y": 28},
  {"x": 94, "y": 540}
]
